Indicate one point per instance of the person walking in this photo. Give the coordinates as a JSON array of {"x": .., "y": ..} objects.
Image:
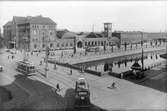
[
  {"x": 122, "y": 75},
  {"x": 55, "y": 67},
  {"x": 40, "y": 63},
  {"x": 71, "y": 72},
  {"x": 58, "y": 87},
  {"x": 113, "y": 85},
  {"x": 12, "y": 56}
]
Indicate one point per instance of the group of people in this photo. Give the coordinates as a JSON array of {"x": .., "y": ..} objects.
[{"x": 12, "y": 56}]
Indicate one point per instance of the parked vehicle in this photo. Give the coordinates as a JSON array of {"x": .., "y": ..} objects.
[
  {"x": 1, "y": 68},
  {"x": 82, "y": 93}
]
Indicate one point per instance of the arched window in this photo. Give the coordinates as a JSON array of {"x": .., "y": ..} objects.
[
  {"x": 79, "y": 44},
  {"x": 88, "y": 43},
  {"x": 85, "y": 43},
  {"x": 102, "y": 43},
  {"x": 95, "y": 43},
  {"x": 92, "y": 42}
]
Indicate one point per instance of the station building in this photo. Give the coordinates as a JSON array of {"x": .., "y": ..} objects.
[{"x": 36, "y": 33}]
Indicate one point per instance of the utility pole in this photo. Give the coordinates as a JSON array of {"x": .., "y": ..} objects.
[
  {"x": 46, "y": 60},
  {"x": 93, "y": 28},
  {"x": 24, "y": 41},
  {"x": 45, "y": 41},
  {"x": 142, "y": 60}
]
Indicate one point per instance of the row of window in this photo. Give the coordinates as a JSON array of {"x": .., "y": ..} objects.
[
  {"x": 97, "y": 43},
  {"x": 58, "y": 45},
  {"x": 37, "y": 32},
  {"x": 35, "y": 26},
  {"x": 90, "y": 43}
]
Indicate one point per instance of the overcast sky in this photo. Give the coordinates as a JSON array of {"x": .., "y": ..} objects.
[{"x": 80, "y": 16}]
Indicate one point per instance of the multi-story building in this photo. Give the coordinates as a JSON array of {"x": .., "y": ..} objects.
[{"x": 30, "y": 33}]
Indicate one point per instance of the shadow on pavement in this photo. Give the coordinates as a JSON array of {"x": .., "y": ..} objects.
[
  {"x": 156, "y": 79},
  {"x": 33, "y": 95}
]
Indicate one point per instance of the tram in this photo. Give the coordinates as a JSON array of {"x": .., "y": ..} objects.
[
  {"x": 25, "y": 67},
  {"x": 82, "y": 93}
]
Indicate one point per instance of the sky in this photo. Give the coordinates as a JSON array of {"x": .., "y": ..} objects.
[{"x": 148, "y": 16}]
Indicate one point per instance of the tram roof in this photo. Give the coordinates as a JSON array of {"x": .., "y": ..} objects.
[{"x": 25, "y": 63}]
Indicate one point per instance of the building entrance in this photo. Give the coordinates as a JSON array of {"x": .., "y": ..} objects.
[{"x": 79, "y": 44}]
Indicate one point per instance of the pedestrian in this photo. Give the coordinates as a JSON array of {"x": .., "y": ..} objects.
[
  {"x": 58, "y": 87},
  {"x": 71, "y": 72},
  {"x": 8, "y": 57},
  {"x": 40, "y": 63},
  {"x": 12, "y": 56},
  {"x": 113, "y": 85},
  {"x": 122, "y": 75},
  {"x": 55, "y": 67}
]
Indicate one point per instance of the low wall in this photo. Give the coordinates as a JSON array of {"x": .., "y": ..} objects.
[{"x": 77, "y": 68}]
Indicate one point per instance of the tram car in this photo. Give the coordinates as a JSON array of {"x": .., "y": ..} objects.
[
  {"x": 82, "y": 94},
  {"x": 25, "y": 67}
]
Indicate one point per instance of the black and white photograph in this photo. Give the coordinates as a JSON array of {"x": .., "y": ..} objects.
[{"x": 83, "y": 55}]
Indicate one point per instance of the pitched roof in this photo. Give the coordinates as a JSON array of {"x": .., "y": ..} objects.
[
  {"x": 40, "y": 20},
  {"x": 33, "y": 20},
  {"x": 19, "y": 20},
  {"x": 65, "y": 34},
  {"x": 8, "y": 23},
  {"x": 69, "y": 35},
  {"x": 92, "y": 35}
]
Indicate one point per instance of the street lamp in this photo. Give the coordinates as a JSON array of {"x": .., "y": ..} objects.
[{"x": 142, "y": 60}]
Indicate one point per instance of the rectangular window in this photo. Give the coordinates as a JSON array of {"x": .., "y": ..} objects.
[
  {"x": 71, "y": 44},
  {"x": 50, "y": 33},
  {"x": 66, "y": 44},
  {"x": 57, "y": 44},
  {"x": 62, "y": 45}
]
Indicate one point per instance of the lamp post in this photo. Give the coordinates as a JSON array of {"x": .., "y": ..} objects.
[
  {"x": 46, "y": 60},
  {"x": 142, "y": 60}
]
